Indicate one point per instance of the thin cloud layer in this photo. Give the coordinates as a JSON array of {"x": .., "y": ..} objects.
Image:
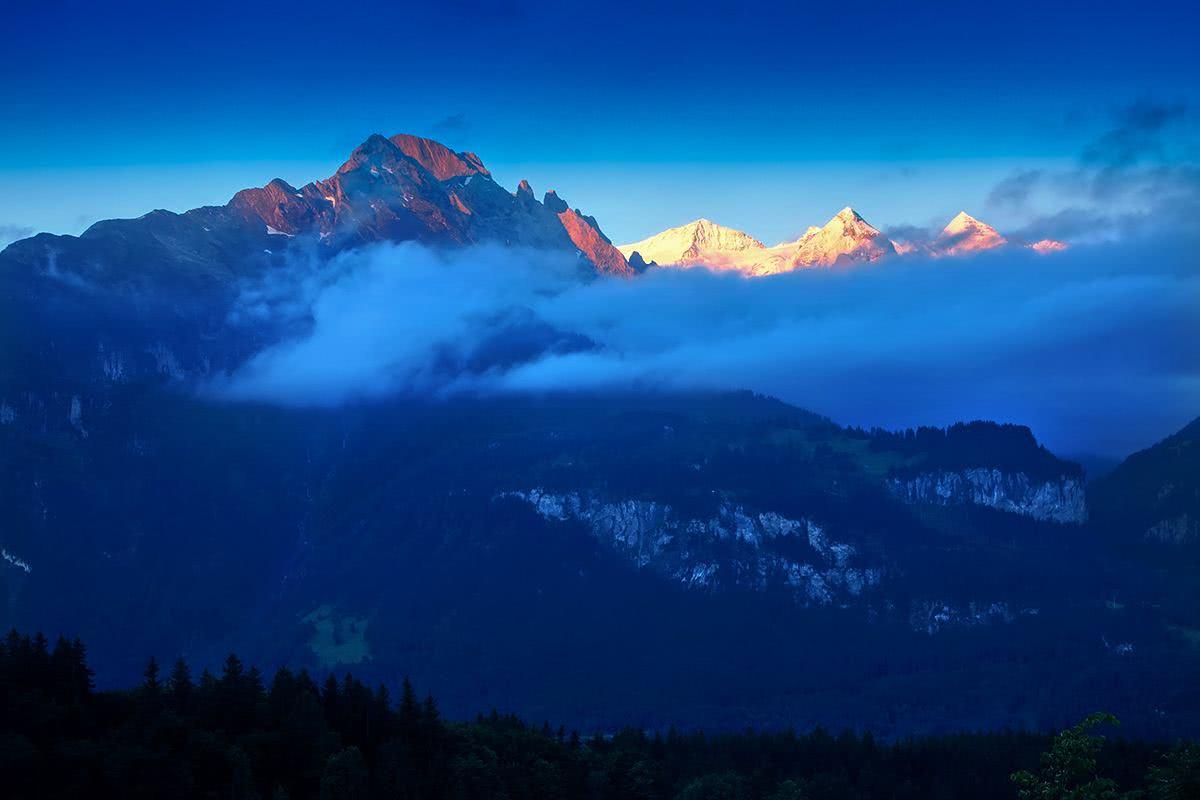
[
  {"x": 1097, "y": 348},
  {"x": 1138, "y": 176}
]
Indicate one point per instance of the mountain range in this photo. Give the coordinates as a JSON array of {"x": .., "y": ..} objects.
[
  {"x": 845, "y": 240},
  {"x": 409, "y": 188}
]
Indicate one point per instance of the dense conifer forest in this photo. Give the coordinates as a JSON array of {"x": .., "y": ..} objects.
[{"x": 239, "y": 735}]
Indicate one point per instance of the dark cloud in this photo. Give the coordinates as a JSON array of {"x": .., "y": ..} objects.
[
  {"x": 1137, "y": 134},
  {"x": 450, "y": 126},
  {"x": 1134, "y": 176},
  {"x": 913, "y": 234},
  {"x": 1014, "y": 191},
  {"x": 1097, "y": 348},
  {"x": 1073, "y": 224}
]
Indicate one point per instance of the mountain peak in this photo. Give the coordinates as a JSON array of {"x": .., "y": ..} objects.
[
  {"x": 847, "y": 237},
  {"x": 440, "y": 160},
  {"x": 965, "y": 234},
  {"x": 849, "y": 222},
  {"x": 553, "y": 202},
  {"x": 962, "y": 220},
  {"x": 700, "y": 241}
]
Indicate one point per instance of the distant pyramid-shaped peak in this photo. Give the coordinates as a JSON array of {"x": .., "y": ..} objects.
[
  {"x": 963, "y": 221},
  {"x": 965, "y": 234},
  {"x": 851, "y": 222}
]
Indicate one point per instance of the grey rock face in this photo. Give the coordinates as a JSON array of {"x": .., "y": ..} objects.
[
  {"x": 734, "y": 548},
  {"x": 1060, "y": 500}
]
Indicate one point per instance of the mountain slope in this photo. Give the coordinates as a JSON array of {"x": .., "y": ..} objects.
[
  {"x": 505, "y": 550},
  {"x": 1154, "y": 495}
]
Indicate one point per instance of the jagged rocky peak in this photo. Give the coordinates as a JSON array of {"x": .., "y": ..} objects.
[
  {"x": 524, "y": 189},
  {"x": 440, "y": 160},
  {"x": 638, "y": 264},
  {"x": 377, "y": 149},
  {"x": 553, "y": 202},
  {"x": 398, "y": 188}
]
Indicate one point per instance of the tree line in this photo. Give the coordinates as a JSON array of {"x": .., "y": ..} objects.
[{"x": 237, "y": 736}]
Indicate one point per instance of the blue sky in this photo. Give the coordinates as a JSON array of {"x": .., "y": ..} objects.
[{"x": 647, "y": 116}]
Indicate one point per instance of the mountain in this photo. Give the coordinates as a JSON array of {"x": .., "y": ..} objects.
[
  {"x": 964, "y": 234},
  {"x": 403, "y": 188},
  {"x": 698, "y": 242},
  {"x": 846, "y": 239},
  {"x": 659, "y": 549},
  {"x": 1154, "y": 495},
  {"x": 150, "y": 297}
]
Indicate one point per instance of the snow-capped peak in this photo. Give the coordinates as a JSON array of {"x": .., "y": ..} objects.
[
  {"x": 965, "y": 234},
  {"x": 847, "y": 237},
  {"x": 700, "y": 241},
  {"x": 849, "y": 216}
]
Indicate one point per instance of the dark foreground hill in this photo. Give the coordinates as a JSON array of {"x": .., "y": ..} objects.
[{"x": 702, "y": 560}]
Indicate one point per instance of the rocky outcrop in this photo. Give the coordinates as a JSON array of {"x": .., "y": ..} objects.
[
  {"x": 442, "y": 162},
  {"x": 1060, "y": 500},
  {"x": 732, "y": 549},
  {"x": 593, "y": 245}
]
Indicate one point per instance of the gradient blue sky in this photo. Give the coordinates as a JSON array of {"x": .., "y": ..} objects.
[{"x": 647, "y": 116}]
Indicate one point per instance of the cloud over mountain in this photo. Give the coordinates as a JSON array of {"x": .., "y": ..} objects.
[{"x": 1056, "y": 342}]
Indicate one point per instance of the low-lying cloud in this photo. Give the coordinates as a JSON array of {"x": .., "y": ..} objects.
[{"x": 1097, "y": 348}]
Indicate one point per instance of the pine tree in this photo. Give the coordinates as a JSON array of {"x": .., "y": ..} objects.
[
  {"x": 81, "y": 673},
  {"x": 181, "y": 687},
  {"x": 150, "y": 683},
  {"x": 410, "y": 710}
]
